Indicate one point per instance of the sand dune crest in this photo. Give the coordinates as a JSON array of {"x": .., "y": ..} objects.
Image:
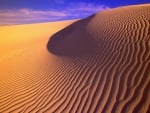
[{"x": 72, "y": 40}]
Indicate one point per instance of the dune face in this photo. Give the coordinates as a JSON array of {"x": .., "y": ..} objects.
[
  {"x": 72, "y": 40},
  {"x": 100, "y": 64}
]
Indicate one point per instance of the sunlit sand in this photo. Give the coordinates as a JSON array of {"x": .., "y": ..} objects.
[{"x": 100, "y": 64}]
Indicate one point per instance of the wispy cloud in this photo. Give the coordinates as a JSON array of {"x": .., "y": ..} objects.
[
  {"x": 82, "y": 9},
  {"x": 21, "y": 16}
]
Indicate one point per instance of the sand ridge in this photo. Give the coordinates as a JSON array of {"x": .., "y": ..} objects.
[{"x": 100, "y": 64}]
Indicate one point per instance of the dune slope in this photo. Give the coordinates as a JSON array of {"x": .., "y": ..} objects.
[{"x": 100, "y": 64}]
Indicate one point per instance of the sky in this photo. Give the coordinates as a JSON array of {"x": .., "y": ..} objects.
[{"x": 35, "y": 11}]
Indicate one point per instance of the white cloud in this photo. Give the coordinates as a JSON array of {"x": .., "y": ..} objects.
[
  {"x": 84, "y": 9},
  {"x": 21, "y": 16}
]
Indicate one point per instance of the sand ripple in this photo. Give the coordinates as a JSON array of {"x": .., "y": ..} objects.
[{"x": 100, "y": 64}]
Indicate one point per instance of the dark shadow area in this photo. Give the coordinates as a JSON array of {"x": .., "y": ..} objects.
[{"x": 73, "y": 40}]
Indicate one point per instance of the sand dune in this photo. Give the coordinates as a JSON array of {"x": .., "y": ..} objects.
[{"x": 100, "y": 64}]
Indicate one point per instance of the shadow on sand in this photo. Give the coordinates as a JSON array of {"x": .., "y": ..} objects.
[{"x": 73, "y": 40}]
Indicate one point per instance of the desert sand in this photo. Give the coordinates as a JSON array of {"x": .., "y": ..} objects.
[{"x": 100, "y": 64}]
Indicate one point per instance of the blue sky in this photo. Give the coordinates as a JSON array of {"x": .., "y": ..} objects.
[{"x": 33, "y": 11}]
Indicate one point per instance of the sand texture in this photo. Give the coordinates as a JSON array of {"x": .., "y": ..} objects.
[{"x": 100, "y": 64}]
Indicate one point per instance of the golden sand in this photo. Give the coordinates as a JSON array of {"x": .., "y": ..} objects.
[{"x": 100, "y": 64}]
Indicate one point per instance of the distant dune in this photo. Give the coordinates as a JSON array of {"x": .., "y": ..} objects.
[{"x": 100, "y": 64}]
